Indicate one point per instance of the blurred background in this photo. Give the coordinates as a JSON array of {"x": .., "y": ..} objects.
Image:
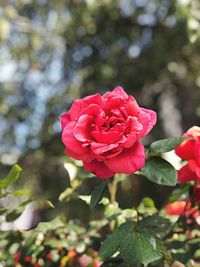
[{"x": 52, "y": 52}]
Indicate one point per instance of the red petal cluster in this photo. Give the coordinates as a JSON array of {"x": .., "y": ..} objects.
[{"x": 105, "y": 131}]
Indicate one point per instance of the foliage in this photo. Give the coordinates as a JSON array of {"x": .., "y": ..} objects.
[{"x": 142, "y": 234}]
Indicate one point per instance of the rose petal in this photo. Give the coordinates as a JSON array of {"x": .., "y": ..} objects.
[
  {"x": 98, "y": 148},
  {"x": 81, "y": 130},
  {"x": 132, "y": 106},
  {"x": 70, "y": 141},
  {"x": 185, "y": 174},
  {"x": 194, "y": 167},
  {"x": 106, "y": 137},
  {"x": 86, "y": 157},
  {"x": 186, "y": 150},
  {"x": 117, "y": 93},
  {"x": 148, "y": 119},
  {"x": 98, "y": 168},
  {"x": 130, "y": 140},
  {"x": 120, "y": 91},
  {"x": 64, "y": 119},
  {"x": 92, "y": 109},
  {"x": 193, "y": 131},
  {"x": 134, "y": 129},
  {"x": 128, "y": 161},
  {"x": 79, "y": 104}
]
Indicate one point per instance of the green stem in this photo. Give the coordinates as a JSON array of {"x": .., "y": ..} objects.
[{"x": 112, "y": 187}]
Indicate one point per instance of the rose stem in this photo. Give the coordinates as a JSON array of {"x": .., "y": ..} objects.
[{"x": 112, "y": 187}]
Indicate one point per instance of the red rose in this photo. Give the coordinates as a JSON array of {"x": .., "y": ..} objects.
[
  {"x": 190, "y": 150},
  {"x": 105, "y": 131}
]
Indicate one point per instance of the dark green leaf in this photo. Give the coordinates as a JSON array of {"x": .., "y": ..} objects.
[
  {"x": 183, "y": 257},
  {"x": 155, "y": 224},
  {"x": 109, "y": 246},
  {"x": 176, "y": 244},
  {"x": 15, "y": 213},
  {"x": 138, "y": 248},
  {"x": 97, "y": 194},
  {"x": 112, "y": 242},
  {"x": 165, "y": 145},
  {"x": 11, "y": 178},
  {"x": 160, "y": 171},
  {"x": 2, "y": 211}
]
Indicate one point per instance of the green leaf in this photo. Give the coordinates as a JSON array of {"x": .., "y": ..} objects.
[
  {"x": 20, "y": 192},
  {"x": 109, "y": 246},
  {"x": 16, "y": 193},
  {"x": 160, "y": 171},
  {"x": 112, "y": 242},
  {"x": 12, "y": 177},
  {"x": 155, "y": 224},
  {"x": 2, "y": 211},
  {"x": 166, "y": 145},
  {"x": 138, "y": 248},
  {"x": 97, "y": 194},
  {"x": 51, "y": 225},
  {"x": 15, "y": 213}
]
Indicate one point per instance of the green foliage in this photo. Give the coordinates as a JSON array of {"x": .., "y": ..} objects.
[
  {"x": 140, "y": 248},
  {"x": 11, "y": 178},
  {"x": 50, "y": 226},
  {"x": 160, "y": 171},
  {"x": 97, "y": 194},
  {"x": 155, "y": 224},
  {"x": 133, "y": 246},
  {"x": 112, "y": 243},
  {"x": 15, "y": 213},
  {"x": 166, "y": 145},
  {"x": 12, "y": 213}
]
